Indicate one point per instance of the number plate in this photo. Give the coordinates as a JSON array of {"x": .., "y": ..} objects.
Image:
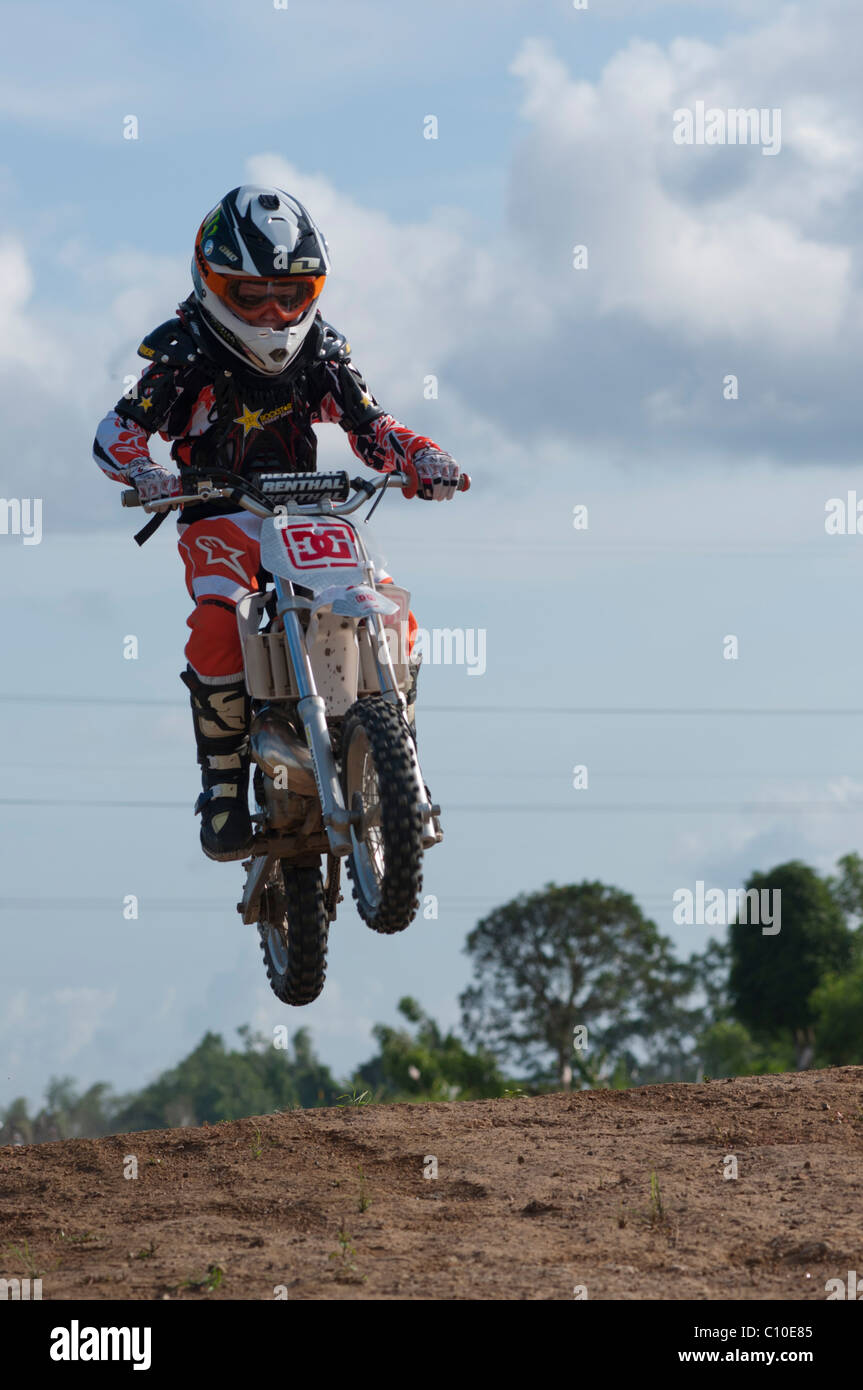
[{"x": 313, "y": 551}]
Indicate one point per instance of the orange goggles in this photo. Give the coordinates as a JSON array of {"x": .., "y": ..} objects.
[
  {"x": 256, "y": 300},
  {"x": 252, "y": 299}
]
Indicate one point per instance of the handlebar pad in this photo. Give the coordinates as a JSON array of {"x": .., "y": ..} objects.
[{"x": 304, "y": 487}]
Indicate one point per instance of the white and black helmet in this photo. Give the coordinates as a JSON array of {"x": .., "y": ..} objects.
[{"x": 260, "y": 264}]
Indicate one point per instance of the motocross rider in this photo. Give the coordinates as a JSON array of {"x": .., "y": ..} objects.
[{"x": 236, "y": 380}]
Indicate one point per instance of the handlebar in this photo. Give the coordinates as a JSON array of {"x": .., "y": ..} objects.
[{"x": 251, "y": 499}]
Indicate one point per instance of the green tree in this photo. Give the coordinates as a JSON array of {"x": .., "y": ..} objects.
[
  {"x": 17, "y": 1125},
  {"x": 837, "y": 1005},
  {"x": 847, "y": 886},
  {"x": 710, "y": 969},
  {"x": 67, "y": 1113},
  {"x": 427, "y": 1064},
  {"x": 727, "y": 1048},
  {"x": 312, "y": 1082},
  {"x": 213, "y": 1084},
  {"x": 772, "y": 976},
  {"x": 724, "y": 1046},
  {"x": 71, "y": 1114},
  {"x": 581, "y": 956}
]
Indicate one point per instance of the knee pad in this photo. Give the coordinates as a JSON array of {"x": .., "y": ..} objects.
[{"x": 213, "y": 650}]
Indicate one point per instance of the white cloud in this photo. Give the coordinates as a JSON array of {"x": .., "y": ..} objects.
[
  {"x": 725, "y": 270},
  {"x": 702, "y": 261},
  {"x": 401, "y": 290}
]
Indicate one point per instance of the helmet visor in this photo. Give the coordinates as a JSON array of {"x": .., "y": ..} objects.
[{"x": 267, "y": 301}]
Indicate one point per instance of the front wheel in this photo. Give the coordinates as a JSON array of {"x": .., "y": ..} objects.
[
  {"x": 380, "y": 789},
  {"x": 294, "y": 929}
]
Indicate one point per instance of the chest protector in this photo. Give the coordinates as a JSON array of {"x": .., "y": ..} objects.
[{"x": 254, "y": 427}]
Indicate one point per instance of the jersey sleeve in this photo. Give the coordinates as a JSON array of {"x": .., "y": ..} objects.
[
  {"x": 377, "y": 438},
  {"x": 121, "y": 446}
]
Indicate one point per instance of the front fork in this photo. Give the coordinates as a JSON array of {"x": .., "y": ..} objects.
[
  {"x": 312, "y": 709},
  {"x": 337, "y": 818},
  {"x": 313, "y": 712}
]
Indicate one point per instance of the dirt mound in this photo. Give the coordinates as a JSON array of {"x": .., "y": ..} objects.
[{"x": 621, "y": 1192}]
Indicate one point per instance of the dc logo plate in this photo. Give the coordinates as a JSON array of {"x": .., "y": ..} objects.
[{"x": 327, "y": 545}]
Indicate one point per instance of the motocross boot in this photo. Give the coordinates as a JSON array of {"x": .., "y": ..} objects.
[{"x": 221, "y": 718}]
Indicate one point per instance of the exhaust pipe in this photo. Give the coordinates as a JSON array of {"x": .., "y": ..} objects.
[{"x": 277, "y": 750}]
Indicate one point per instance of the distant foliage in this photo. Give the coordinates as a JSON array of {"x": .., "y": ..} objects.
[
  {"x": 572, "y": 986},
  {"x": 66, "y": 1114},
  {"x": 209, "y": 1085},
  {"x": 428, "y": 1064},
  {"x": 837, "y": 1005},
  {"x": 772, "y": 979},
  {"x": 213, "y": 1084},
  {"x": 584, "y": 957}
]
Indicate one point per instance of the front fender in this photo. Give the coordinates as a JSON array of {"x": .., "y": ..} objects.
[{"x": 353, "y": 601}]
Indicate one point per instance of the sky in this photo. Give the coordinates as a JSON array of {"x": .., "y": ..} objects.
[{"x": 594, "y": 378}]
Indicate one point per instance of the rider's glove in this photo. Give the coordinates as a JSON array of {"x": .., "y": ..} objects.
[
  {"x": 433, "y": 475},
  {"x": 153, "y": 481}
]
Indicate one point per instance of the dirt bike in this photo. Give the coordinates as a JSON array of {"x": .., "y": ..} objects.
[{"x": 336, "y": 771}]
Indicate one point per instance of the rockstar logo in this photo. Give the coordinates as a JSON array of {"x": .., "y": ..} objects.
[
  {"x": 365, "y": 398},
  {"x": 250, "y": 420},
  {"x": 146, "y": 403}
]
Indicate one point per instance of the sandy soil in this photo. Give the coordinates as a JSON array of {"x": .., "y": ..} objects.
[{"x": 533, "y": 1197}]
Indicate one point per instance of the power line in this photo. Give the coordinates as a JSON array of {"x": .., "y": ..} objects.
[
  {"x": 699, "y": 711},
  {"x": 584, "y": 549},
  {"x": 659, "y": 807},
  {"x": 14, "y": 699},
  {"x": 146, "y": 904},
  {"x": 75, "y": 801},
  {"x": 514, "y": 808},
  {"x": 629, "y": 711},
  {"x": 484, "y": 774}
]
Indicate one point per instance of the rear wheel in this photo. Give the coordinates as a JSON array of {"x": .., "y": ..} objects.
[
  {"x": 294, "y": 930},
  {"x": 380, "y": 789}
]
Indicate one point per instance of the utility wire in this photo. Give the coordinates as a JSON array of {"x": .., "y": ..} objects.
[
  {"x": 696, "y": 711},
  {"x": 514, "y": 808}
]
